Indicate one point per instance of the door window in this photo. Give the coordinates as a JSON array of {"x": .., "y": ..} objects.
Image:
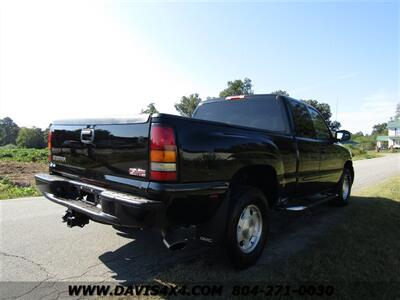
[
  {"x": 321, "y": 129},
  {"x": 302, "y": 120}
]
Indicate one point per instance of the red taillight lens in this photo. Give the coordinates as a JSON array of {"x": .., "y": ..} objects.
[
  {"x": 162, "y": 153},
  {"x": 162, "y": 176},
  {"x": 49, "y": 145},
  {"x": 162, "y": 138}
]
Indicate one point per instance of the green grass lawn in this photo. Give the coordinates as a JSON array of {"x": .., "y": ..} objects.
[
  {"x": 24, "y": 155},
  {"x": 360, "y": 252}
]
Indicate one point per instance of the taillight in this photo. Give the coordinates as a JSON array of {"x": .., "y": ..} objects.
[
  {"x": 49, "y": 137},
  {"x": 162, "y": 153}
]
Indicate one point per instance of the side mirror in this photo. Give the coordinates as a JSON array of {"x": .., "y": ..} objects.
[{"x": 342, "y": 135}]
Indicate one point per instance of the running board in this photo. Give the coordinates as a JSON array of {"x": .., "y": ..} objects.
[
  {"x": 295, "y": 208},
  {"x": 311, "y": 205}
]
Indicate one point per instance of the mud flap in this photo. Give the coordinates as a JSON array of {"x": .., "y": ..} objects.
[{"x": 214, "y": 230}]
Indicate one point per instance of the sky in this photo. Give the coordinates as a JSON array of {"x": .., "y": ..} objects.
[{"x": 73, "y": 59}]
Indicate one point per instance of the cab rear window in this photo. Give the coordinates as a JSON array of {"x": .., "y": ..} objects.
[{"x": 264, "y": 112}]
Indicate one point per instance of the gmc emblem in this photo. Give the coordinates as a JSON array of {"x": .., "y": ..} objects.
[{"x": 137, "y": 172}]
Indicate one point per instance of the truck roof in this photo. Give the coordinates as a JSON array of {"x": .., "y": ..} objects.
[{"x": 246, "y": 96}]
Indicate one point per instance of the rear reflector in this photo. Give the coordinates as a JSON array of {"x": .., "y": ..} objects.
[
  {"x": 163, "y": 176},
  {"x": 162, "y": 153},
  {"x": 235, "y": 97}
]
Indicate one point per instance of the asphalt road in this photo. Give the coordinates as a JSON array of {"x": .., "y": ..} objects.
[{"x": 36, "y": 247}]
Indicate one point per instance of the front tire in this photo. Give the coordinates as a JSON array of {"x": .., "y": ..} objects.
[
  {"x": 248, "y": 226},
  {"x": 344, "y": 188}
]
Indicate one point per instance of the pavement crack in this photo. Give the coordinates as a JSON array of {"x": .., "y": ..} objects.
[
  {"x": 88, "y": 269},
  {"x": 27, "y": 260},
  {"x": 42, "y": 268}
]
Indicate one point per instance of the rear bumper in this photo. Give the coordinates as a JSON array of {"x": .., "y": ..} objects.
[{"x": 109, "y": 207}]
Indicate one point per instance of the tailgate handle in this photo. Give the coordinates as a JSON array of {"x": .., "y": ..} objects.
[{"x": 87, "y": 135}]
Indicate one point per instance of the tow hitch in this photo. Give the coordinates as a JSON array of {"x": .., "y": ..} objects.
[{"x": 73, "y": 218}]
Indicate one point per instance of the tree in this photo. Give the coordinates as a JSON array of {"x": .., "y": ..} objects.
[
  {"x": 3, "y": 135},
  {"x": 280, "y": 92},
  {"x": 187, "y": 105},
  {"x": 31, "y": 138},
  {"x": 365, "y": 142},
  {"x": 325, "y": 111},
  {"x": 151, "y": 109},
  {"x": 46, "y": 135},
  {"x": 238, "y": 87},
  {"x": 8, "y": 131},
  {"x": 397, "y": 115},
  {"x": 334, "y": 125},
  {"x": 357, "y": 134},
  {"x": 379, "y": 129}
]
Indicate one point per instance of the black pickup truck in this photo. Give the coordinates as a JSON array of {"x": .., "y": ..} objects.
[{"x": 212, "y": 177}]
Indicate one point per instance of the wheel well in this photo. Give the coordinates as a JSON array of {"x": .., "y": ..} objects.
[
  {"x": 349, "y": 165},
  {"x": 262, "y": 177}
]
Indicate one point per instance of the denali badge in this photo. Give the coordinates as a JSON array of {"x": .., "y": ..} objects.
[{"x": 137, "y": 172}]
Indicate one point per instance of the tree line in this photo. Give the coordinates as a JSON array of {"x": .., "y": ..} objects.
[
  {"x": 12, "y": 134},
  {"x": 23, "y": 137}
]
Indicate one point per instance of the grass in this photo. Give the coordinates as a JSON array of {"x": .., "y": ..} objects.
[
  {"x": 24, "y": 155},
  {"x": 9, "y": 190},
  {"x": 363, "y": 248},
  {"x": 17, "y": 164},
  {"x": 358, "y": 253},
  {"x": 367, "y": 155}
]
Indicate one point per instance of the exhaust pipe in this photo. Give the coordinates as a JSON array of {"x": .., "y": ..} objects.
[
  {"x": 178, "y": 245},
  {"x": 176, "y": 238},
  {"x": 73, "y": 218}
]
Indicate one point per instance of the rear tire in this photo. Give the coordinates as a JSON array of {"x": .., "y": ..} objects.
[
  {"x": 344, "y": 188},
  {"x": 248, "y": 226}
]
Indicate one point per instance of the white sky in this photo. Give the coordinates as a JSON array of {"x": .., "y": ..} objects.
[
  {"x": 375, "y": 109},
  {"x": 59, "y": 60}
]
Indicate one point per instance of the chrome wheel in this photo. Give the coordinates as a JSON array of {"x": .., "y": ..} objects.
[
  {"x": 249, "y": 228},
  {"x": 346, "y": 186}
]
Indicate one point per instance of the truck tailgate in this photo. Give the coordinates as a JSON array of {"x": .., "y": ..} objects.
[{"x": 101, "y": 150}]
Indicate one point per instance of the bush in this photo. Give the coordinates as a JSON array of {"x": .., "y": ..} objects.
[
  {"x": 367, "y": 142},
  {"x": 356, "y": 151},
  {"x": 31, "y": 138},
  {"x": 9, "y": 146}
]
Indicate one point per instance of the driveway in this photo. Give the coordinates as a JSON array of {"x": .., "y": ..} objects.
[{"x": 36, "y": 248}]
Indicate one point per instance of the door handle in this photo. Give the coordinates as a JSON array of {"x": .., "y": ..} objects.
[{"x": 87, "y": 135}]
